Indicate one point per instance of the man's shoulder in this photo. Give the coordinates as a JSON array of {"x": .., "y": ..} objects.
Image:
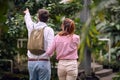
[{"x": 48, "y": 28}]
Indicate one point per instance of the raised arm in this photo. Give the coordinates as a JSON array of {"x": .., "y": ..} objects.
[{"x": 28, "y": 20}]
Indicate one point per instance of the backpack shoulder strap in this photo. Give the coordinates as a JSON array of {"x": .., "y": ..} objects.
[{"x": 44, "y": 27}]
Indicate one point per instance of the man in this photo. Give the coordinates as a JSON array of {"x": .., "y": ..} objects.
[{"x": 39, "y": 66}]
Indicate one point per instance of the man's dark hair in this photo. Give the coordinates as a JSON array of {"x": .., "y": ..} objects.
[{"x": 43, "y": 15}]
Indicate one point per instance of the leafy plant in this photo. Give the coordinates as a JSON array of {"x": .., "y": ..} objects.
[{"x": 117, "y": 77}]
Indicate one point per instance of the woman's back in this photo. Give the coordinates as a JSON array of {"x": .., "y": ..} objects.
[{"x": 66, "y": 46}]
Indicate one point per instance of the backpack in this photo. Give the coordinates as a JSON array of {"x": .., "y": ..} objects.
[{"x": 36, "y": 42}]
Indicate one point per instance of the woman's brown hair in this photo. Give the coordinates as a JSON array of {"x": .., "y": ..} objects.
[{"x": 68, "y": 27}]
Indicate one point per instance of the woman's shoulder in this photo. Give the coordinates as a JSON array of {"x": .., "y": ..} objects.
[
  {"x": 76, "y": 36},
  {"x": 57, "y": 36}
]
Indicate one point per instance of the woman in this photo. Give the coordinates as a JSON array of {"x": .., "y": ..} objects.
[{"x": 66, "y": 44}]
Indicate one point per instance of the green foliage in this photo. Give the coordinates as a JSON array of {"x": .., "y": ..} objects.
[
  {"x": 117, "y": 77},
  {"x": 111, "y": 25},
  {"x": 90, "y": 29},
  {"x": 16, "y": 26},
  {"x": 58, "y": 11},
  {"x": 89, "y": 38},
  {"x": 5, "y": 6},
  {"x": 15, "y": 29},
  {"x": 9, "y": 40},
  {"x": 3, "y": 10},
  {"x": 5, "y": 48}
]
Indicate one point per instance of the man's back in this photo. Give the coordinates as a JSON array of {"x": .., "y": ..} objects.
[
  {"x": 39, "y": 66},
  {"x": 48, "y": 33}
]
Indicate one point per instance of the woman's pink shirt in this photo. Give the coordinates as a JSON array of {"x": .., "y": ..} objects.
[{"x": 66, "y": 47}]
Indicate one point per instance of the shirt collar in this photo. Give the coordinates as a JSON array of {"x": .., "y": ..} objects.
[{"x": 41, "y": 24}]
